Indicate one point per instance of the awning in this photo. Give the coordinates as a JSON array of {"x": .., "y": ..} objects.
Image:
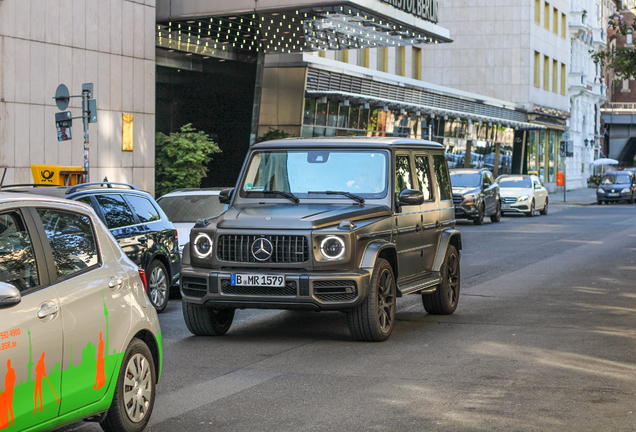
[{"x": 395, "y": 104}]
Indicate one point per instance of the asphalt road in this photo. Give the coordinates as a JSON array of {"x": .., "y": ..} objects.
[{"x": 543, "y": 339}]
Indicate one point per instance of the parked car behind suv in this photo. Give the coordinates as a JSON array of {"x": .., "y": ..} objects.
[
  {"x": 185, "y": 207},
  {"x": 475, "y": 195},
  {"x": 617, "y": 186},
  {"x": 344, "y": 224},
  {"x": 523, "y": 194},
  {"x": 138, "y": 224},
  {"x": 79, "y": 337}
]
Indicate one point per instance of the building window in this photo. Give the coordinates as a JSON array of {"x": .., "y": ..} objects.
[
  {"x": 537, "y": 11},
  {"x": 417, "y": 64},
  {"x": 343, "y": 56},
  {"x": 400, "y": 61},
  {"x": 555, "y": 21},
  {"x": 546, "y": 72},
  {"x": 555, "y": 76},
  {"x": 537, "y": 69},
  {"x": 563, "y": 25},
  {"x": 363, "y": 57},
  {"x": 546, "y": 15},
  {"x": 383, "y": 59},
  {"x": 563, "y": 78},
  {"x": 625, "y": 88}
]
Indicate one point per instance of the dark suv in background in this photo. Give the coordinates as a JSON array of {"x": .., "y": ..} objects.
[
  {"x": 139, "y": 225},
  {"x": 475, "y": 195}
]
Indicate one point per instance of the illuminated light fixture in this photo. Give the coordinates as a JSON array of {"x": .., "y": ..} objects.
[
  {"x": 170, "y": 50},
  {"x": 190, "y": 22}
]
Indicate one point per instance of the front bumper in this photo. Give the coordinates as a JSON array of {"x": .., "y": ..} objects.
[
  {"x": 303, "y": 290},
  {"x": 608, "y": 196},
  {"x": 465, "y": 211},
  {"x": 516, "y": 207}
]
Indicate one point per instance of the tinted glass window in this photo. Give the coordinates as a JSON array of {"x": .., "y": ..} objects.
[
  {"x": 515, "y": 182},
  {"x": 424, "y": 176},
  {"x": 115, "y": 210},
  {"x": 443, "y": 180},
  {"x": 143, "y": 208},
  {"x": 402, "y": 174},
  {"x": 622, "y": 178},
  {"x": 72, "y": 240},
  {"x": 190, "y": 208},
  {"x": 17, "y": 260},
  {"x": 464, "y": 180},
  {"x": 86, "y": 200}
]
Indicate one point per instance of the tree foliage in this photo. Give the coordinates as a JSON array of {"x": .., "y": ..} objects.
[
  {"x": 621, "y": 60},
  {"x": 182, "y": 158},
  {"x": 273, "y": 134}
]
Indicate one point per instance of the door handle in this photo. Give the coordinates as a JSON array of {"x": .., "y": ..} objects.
[
  {"x": 418, "y": 228},
  {"x": 142, "y": 239},
  {"x": 47, "y": 310},
  {"x": 438, "y": 225},
  {"x": 115, "y": 282}
]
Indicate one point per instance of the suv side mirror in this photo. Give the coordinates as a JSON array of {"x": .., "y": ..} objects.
[
  {"x": 9, "y": 295},
  {"x": 225, "y": 196},
  {"x": 411, "y": 197}
]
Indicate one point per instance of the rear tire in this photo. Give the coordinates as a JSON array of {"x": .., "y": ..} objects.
[
  {"x": 497, "y": 216},
  {"x": 207, "y": 321},
  {"x": 158, "y": 289},
  {"x": 444, "y": 300},
  {"x": 134, "y": 395},
  {"x": 545, "y": 208},
  {"x": 374, "y": 318}
]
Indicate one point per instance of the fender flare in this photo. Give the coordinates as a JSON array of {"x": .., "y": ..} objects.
[
  {"x": 444, "y": 241},
  {"x": 372, "y": 252}
]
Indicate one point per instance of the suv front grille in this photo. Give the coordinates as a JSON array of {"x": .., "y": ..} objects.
[
  {"x": 458, "y": 199},
  {"x": 335, "y": 290},
  {"x": 194, "y": 287},
  {"x": 290, "y": 289},
  {"x": 286, "y": 249},
  {"x": 509, "y": 200}
]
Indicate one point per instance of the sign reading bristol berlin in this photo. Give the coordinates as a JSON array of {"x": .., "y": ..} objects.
[{"x": 425, "y": 9}]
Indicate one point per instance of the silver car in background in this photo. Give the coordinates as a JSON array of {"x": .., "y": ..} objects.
[{"x": 522, "y": 194}]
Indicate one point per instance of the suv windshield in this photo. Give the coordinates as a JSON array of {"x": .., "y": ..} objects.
[
  {"x": 190, "y": 208},
  {"x": 464, "y": 180},
  {"x": 616, "y": 179},
  {"x": 515, "y": 182},
  {"x": 306, "y": 173}
]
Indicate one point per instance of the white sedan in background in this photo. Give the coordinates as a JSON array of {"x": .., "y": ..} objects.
[{"x": 522, "y": 194}]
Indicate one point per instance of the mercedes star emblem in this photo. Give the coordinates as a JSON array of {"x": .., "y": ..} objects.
[{"x": 262, "y": 249}]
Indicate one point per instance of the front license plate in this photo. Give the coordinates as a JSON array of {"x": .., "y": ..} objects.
[
  {"x": 612, "y": 194},
  {"x": 257, "y": 280},
  {"x": 505, "y": 206}
]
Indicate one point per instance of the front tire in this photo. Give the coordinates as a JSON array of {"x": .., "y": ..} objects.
[
  {"x": 134, "y": 396},
  {"x": 444, "y": 300},
  {"x": 158, "y": 290},
  {"x": 545, "y": 208},
  {"x": 631, "y": 200},
  {"x": 480, "y": 216},
  {"x": 531, "y": 212},
  {"x": 374, "y": 318},
  {"x": 207, "y": 321}
]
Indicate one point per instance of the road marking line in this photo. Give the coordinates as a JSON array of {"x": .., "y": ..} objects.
[
  {"x": 190, "y": 398},
  {"x": 583, "y": 241}
]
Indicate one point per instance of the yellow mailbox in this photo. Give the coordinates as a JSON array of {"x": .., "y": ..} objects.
[{"x": 57, "y": 175}]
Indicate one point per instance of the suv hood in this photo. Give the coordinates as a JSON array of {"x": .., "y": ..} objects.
[
  {"x": 296, "y": 216},
  {"x": 465, "y": 190},
  {"x": 516, "y": 192}
]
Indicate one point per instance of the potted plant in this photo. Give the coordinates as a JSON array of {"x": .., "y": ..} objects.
[{"x": 584, "y": 15}]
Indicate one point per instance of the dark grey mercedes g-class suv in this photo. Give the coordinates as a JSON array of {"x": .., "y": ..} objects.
[{"x": 344, "y": 224}]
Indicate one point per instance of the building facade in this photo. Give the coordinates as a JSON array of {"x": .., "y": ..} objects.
[{"x": 110, "y": 43}]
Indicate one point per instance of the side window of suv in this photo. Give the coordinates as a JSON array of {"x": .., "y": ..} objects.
[
  {"x": 143, "y": 208},
  {"x": 441, "y": 175},
  {"x": 72, "y": 240},
  {"x": 17, "y": 260},
  {"x": 402, "y": 174},
  {"x": 424, "y": 177},
  {"x": 115, "y": 211}
]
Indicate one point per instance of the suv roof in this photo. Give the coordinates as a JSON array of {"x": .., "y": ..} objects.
[
  {"x": 338, "y": 142},
  {"x": 67, "y": 192}
]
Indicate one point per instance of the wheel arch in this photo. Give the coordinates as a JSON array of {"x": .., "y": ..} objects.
[
  {"x": 163, "y": 260},
  {"x": 384, "y": 250},
  {"x": 449, "y": 237},
  {"x": 148, "y": 338}
]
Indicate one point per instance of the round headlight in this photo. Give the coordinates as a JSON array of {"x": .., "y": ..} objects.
[
  {"x": 332, "y": 248},
  {"x": 203, "y": 245}
]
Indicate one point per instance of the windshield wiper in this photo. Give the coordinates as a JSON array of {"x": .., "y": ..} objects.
[
  {"x": 343, "y": 193},
  {"x": 288, "y": 195}
]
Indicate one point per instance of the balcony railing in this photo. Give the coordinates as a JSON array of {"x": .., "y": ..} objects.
[{"x": 618, "y": 108}]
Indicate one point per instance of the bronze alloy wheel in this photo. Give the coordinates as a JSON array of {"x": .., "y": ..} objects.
[
  {"x": 386, "y": 301},
  {"x": 444, "y": 301}
]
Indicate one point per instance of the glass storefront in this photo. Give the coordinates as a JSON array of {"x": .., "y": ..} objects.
[{"x": 542, "y": 152}]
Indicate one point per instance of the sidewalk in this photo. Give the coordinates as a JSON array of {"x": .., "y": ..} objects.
[{"x": 583, "y": 196}]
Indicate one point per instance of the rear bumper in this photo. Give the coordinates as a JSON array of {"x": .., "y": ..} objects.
[{"x": 303, "y": 290}]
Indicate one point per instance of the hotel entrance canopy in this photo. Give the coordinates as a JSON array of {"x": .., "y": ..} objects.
[{"x": 205, "y": 27}]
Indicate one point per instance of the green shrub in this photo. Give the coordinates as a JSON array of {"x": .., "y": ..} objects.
[
  {"x": 182, "y": 158},
  {"x": 273, "y": 134}
]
